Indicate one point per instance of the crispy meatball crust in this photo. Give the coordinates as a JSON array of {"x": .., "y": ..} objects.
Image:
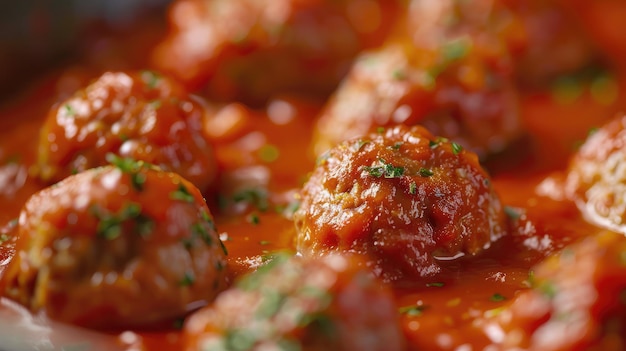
[
  {"x": 142, "y": 115},
  {"x": 576, "y": 302},
  {"x": 330, "y": 303},
  {"x": 596, "y": 178},
  {"x": 402, "y": 197},
  {"x": 116, "y": 246},
  {"x": 248, "y": 50}
]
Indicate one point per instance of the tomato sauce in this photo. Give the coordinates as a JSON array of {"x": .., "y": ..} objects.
[{"x": 265, "y": 156}]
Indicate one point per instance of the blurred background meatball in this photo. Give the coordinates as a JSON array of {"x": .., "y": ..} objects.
[
  {"x": 249, "y": 50},
  {"x": 596, "y": 178},
  {"x": 402, "y": 197},
  {"x": 576, "y": 301},
  {"x": 447, "y": 71},
  {"x": 117, "y": 246},
  {"x": 142, "y": 115},
  {"x": 331, "y": 303}
]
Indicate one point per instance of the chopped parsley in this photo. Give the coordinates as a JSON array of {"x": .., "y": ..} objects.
[
  {"x": 257, "y": 197},
  {"x": 110, "y": 225},
  {"x": 412, "y": 188},
  {"x": 155, "y": 104},
  {"x": 387, "y": 170},
  {"x": 425, "y": 172},
  {"x": 435, "y": 284},
  {"x": 397, "y": 145},
  {"x": 131, "y": 167},
  {"x": 412, "y": 311},
  {"x": 182, "y": 194},
  {"x": 456, "y": 148},
  {"x": 253, "y": 218},
  {"x": 513, "y": 213},
  {"x": 151, "y": 78},
  {"x": 497, "y": 297},
  {"x": 455, "y": 50},
  {"x": 380, "y": 130},
  {"x": 69, "y": 110},
  {"x": 268, "y": 153},
  {"x": 188, "y": 279},
  {"x": 198, "y": 229}
]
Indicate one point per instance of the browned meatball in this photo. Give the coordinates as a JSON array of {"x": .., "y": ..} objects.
[
  {"x": 141, "y": 115},
  {"x": 330, "y": 303},
  {"x": 251, "y": 49},
  {"x": 459, "y": 86},
  {"x": 597, "y": 176},
  {"x": 116, "y": 246},
  {"x": 576, "y": 303},
  {"x": 403, "y": 198}
]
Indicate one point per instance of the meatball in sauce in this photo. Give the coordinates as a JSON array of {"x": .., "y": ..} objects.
[
  {"x": 249, "y": 50},
  {"x": 596, "y": 179},
  {"x": 116, "y": 246},
  {"x": 142, "y": 115},
  {"x": 402, "y": 197},
  {"x": 292, "y": 303},
  {"x": 576, "y": 300}
]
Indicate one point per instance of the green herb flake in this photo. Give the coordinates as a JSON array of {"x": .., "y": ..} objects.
[
  {"x": 412, "y": 311},
  {"x": 435, "y": 285},
  {"x": 455, "y": 50},
  {"x": 497, "y": 297},
  {"x": 513, "y": 213},
  {"x": 200, "y": 231},
  {"x": 380, "y": 130},
  {"x": 397, "y": 145},
  {"x": 425, "y": 172},
  {"x": 155, "y": 104},
  {"x": 182, "y": 194},
  {"x": 4, "y": 237},
  {"x": 253, "y": 219},
  {"x": 257, "y": 197},
  {"x": 412, "y": 188},
  {"x": 69, "y": 110},
  {"x": 456, "y": 148},
  {"x": 188, "y": 279},
  {"x": 387, "y": 170},
  {"x": 360, "y": 144},
  {"x": 129, "y": 166},
  {"x": 399, "y": 74},
  {"x": 548, "y": 289},
  {"x": 264, "y": 242},
  {"x": 150, "y": 78},
  {"x": 110, "y": 225},
  {"x": 268, "y": 153}
]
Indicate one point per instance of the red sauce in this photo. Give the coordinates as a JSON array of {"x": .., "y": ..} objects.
[{"x": 270, "y": 149}]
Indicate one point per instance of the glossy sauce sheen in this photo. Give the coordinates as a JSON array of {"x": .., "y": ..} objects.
[{"x": 269, "y": 150}]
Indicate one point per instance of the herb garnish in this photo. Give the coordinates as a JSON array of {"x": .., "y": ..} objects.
[
  {"x": 182, "y": 194},
  {"x": 110, "y": 225},
  {"x": 425, "y": 172},
  {"x": 497, "y": 297},
  {"x": 412, "y": 311},
  {"x": 129, "y": 166},
  {"x": 387, "y": 170}
]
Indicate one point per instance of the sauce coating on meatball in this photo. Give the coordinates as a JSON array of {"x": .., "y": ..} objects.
[
  {"x": 116, "y": 246},
  {"x": 294, "y": 303},
  {"x": 576, "y": 300},
  {"x": 402, "y": 197},
  {"x": 597, "y": 176},
  {"x": 142, "y": 115}
]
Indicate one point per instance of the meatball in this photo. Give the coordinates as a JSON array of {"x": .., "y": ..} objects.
[
  {"x": 402, "y": 197},
  {"x": 141, "y": 115},
  {"x": 460, "y": 86},
  {"x": 116, "y": 246},
  {"x": 596, "y": 179},
  {"x": 576, "y": 302},
  {"x": 330, "y": 303},
  {"x": 248, "y": 50}
]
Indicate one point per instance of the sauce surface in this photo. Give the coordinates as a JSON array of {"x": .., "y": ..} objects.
[{"x": 265, "y": 156}]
